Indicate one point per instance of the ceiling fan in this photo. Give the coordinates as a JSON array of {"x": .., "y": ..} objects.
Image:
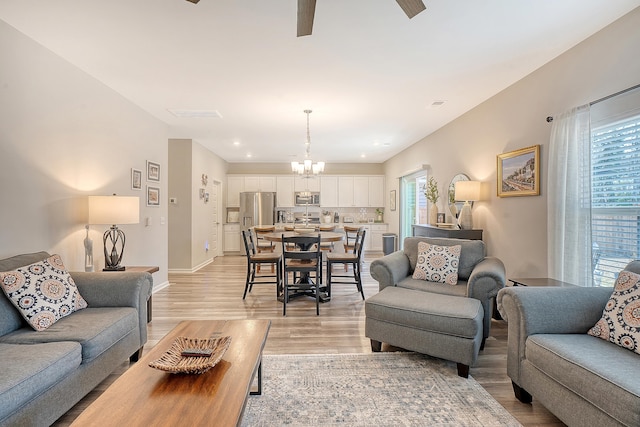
[{"x": 307, "y": 9}]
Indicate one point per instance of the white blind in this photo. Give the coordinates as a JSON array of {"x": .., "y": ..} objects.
[{"x": 615, "y": 197}]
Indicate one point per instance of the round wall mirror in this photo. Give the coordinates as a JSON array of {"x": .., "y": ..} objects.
[{"x": 455, "y": 206}]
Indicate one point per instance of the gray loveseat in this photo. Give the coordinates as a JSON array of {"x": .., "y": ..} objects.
[
  {"x": 44, "y": 374},
  {"x": 479, "y": 276},
  {"x": 583, "y": 380}
]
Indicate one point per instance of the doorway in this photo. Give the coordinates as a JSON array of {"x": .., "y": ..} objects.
[{"x": 413, "y": 203}]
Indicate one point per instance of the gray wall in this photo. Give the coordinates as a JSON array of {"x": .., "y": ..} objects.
[
  {"x": 516, "y": 227},
  {"x": 64, "y": 136},
  {"x": 192, "y": 222}
]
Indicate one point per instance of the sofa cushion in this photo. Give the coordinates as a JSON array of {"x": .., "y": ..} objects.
[
  {"x": 620, "y": 322},
  {"x": 437, "y": 263},
  {"x": 471, "y": 252},
  {"x": 459, "y": 289},
  {"x": 43, "y": 292},
  {"x": 600, "y": 372},
  {"x": 96, "y": 329},
  {"x": 10, "y": 318},
  {"x": 29, "y": 370}
]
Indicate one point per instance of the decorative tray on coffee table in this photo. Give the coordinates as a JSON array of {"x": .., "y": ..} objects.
[{"x": 175, "y": 362}]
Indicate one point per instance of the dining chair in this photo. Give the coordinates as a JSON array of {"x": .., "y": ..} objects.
[
  {"x": 304, "y": 264},
  {"x": 353, "y": 258},
  {"x": 254, "y": 260},
  {"x": 350, "y": 234},
  {"x": 327, "y": 246},
  {"x": 263, "y": 245}
]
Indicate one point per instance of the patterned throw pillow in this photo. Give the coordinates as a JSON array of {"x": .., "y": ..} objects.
[
  {"x": 437, "y": 263},
  {"x": 620, "y": 322},
  {"x": 43, "y": 292}
]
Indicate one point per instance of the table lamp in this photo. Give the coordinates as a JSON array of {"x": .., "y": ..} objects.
[
  {"x": 114, "y": 210},
  {"x": 466, "y": 191}
]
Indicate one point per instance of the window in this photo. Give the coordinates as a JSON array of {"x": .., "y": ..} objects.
[
  {"x": 413, "y": 203},
  {"x": 615, "y": 186}
]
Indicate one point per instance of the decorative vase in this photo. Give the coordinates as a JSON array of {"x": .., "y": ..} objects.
[
  {"x": 433, "y": 214},
  {"x": 379, "y": 218},
  {"x": 465, "y": 220},
  {"x": 327, "y": 219}
]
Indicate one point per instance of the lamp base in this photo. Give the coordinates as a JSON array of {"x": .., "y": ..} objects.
[
  {"x": 118, "y": 268},
  {"x": 465, "y": 220}
]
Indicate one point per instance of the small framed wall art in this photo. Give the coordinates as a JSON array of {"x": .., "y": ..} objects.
[
  {"x": 153, "y": 171},
  {"x": 153, "y": 196},
  {"x": 519, "y": 172},
  {"x": 136, "y": 179}
]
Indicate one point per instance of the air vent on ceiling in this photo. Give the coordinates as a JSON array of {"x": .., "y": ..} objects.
[
  {"x": 437, "y": 104},
  {"x": 195, "y": 114}
]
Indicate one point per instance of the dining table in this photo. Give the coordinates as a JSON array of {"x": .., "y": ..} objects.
[{"x": 325, "y": 236}]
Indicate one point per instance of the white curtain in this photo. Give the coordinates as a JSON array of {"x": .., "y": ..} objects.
[{"x": 569, "y": 198}]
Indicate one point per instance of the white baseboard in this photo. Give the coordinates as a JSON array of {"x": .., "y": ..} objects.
[
  {"x": 159, "y": 286},
  {"x": 189, "y": 270}
]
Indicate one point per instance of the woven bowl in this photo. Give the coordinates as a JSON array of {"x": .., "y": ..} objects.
[{"x": 172, "y": 360}]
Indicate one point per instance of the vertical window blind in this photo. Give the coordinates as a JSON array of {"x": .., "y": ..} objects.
[{"x": 615, "y": 197}]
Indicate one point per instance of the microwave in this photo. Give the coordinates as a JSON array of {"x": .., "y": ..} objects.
[{"x": 307, "y": 198}]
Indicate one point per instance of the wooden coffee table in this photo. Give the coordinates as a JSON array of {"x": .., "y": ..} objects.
[{"x": 144, "y": 396}]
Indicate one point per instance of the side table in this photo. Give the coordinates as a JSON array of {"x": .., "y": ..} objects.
[
  {"x": 145, "y": 269},
  {"x": 531, "y": 281},
  {"x": 540, "y": 281}
]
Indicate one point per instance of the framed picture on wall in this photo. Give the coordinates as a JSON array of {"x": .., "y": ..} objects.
[
  {"x": 392, "y": 200},
  {"x": 153, "y": 171},
  {"x": 136, "y": 179},
  {"x": 153, "y": 196},
  {"x": 519, "y": 172}
]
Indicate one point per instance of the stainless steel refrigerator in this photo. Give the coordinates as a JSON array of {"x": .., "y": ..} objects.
[{"x": 256, "y": 209}]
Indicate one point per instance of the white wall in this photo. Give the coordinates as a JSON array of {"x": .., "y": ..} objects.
[
  {"x": 63, "y": 136},
  {"x": 516, "y": 227}
]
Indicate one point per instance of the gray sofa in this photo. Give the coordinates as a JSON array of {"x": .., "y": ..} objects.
[
  {"x": 44, "y": 374},
  {"x": 479, "y": 276},
  {"x": 583, "y": 380}
]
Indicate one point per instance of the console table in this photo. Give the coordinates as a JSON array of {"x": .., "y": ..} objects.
[{"x": 425, "y": 230}]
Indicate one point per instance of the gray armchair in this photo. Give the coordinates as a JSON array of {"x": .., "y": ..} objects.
[{"x": 479, "y": 276}]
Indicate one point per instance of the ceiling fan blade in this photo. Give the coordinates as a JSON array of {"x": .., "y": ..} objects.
[
  {"x": 306, "y": 11},
  {"x": 411, "y": 7}
]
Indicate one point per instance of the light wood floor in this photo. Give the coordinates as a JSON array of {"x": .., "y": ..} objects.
[{"x": 215, "y": 292}]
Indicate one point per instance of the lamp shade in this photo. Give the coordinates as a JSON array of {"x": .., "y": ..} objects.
[
  {"x": 114, "y": 210},
  {"x": 467, "y": 191}
]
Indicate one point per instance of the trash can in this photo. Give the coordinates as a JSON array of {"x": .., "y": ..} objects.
[{"x": 389, "y": 243}]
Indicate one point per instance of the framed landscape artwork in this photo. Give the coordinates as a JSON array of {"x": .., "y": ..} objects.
[{"x": 519, "y": 172}]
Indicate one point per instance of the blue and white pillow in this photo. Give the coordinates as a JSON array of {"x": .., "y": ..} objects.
[
  {"x": 43, "y": 292},
  {"x": 437, "y": 263}
]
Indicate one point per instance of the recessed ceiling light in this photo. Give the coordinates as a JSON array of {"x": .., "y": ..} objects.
[
  {"x": 363, "y": 155},
  {"x": 236, "y": 143},
  {"x": 249, "y": 155},
  {"x": 195, "y": 114}
]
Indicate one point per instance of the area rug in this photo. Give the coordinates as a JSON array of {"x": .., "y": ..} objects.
[{"x": 379, "y": 389}]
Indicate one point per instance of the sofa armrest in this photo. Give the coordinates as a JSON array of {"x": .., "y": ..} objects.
[
  {"x": 390, "y": 269},
  {"x": 117, "y": 289},
  {"x": 546, "y": 310},
  {"x": 486, "y": 279}
]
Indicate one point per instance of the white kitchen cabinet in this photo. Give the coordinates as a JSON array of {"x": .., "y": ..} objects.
[
  {"x": 375, "y": 238},
  {"x": 232, "y": 239},
  {"x": 235, "y": 186},
  {"x": 345, "y": 192},
  {"x": 303, "y": 183},
  {"x": 360, "y": 191},
  {"x": 260, "y": 183},
  {"x": 376, "y": 191},
  {"x": 284, "y": 188},
  {"x": 329, "y": 191}
]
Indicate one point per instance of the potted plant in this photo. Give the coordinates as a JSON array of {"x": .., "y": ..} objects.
[
  {"x": 432, "y": 194},
  {"x": 379, "y": 214}
]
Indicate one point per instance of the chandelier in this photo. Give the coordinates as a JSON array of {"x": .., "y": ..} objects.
[{"x": 307, "y": 168}]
